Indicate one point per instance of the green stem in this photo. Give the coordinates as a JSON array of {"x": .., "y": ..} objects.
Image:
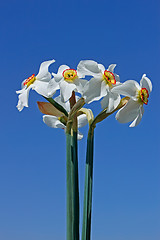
[
  {"x": 69, "y": 175},
  {"x": 76, "y": 186},
  {"x": 87, "y": 207},
  {"x": 75, "y": 166},
  {"x": 72, "y": 175}
]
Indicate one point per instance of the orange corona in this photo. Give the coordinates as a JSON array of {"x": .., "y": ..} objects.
[
  {"x": 109, "y": 77},
  {"x": 70, "y": 75},
  {"x": 29, "y": 80},
  {"x": 143, "y": 95}
]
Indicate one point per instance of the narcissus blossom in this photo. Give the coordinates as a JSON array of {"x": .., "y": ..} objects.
[
  {"x": 39, "y": 83},
  {"x": 101, "y": 84},
  {"x": 58, "y": 121},
  {"x": 69, "y": 80},
  {"x": 133, "y": 110}
]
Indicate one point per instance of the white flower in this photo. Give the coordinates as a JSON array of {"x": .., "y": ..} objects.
[
  {"x": 69, "y": 80},
  {"x": 133, "y": 110},
  {"x": 57, "y": 121},
  {"x": 101, "y": 83},
  {"x": 39, "y": 83}
]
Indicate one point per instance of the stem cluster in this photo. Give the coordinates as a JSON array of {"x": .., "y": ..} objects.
[{"x": 72, "y": 181}]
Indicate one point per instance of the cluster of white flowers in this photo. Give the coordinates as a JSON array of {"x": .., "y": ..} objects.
[{"x": 104, "y": 83}]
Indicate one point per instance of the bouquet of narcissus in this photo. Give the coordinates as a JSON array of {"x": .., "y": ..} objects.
[{"x": 67, "y": 111}]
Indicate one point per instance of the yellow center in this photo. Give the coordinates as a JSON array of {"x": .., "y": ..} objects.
[
  {"x": 70, "y": 75},
  {"x": 109, "y": 78},
  {"x": 143, "y": 96},
  {"x": 29, "y": 80}
]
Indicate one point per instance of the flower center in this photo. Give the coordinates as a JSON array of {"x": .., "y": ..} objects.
[
  {"x": 143, "y": 95},
  {"x": 29, "y": 80},
  {"x": 69, "y": 75},
  {"x": 109, "y": 78}
]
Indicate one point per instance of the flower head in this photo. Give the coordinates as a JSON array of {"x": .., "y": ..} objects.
[
  {"x": 101, "y": 84},
  {"x": 69, "y": 80},
  {"x": 133, "y": 110},
  {"x": 40, "y": 83}
]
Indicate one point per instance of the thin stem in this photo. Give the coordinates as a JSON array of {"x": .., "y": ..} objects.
[
  {"x": 103, "y": 114},
  {"x": 87, "y": 207},
  {"x": 69, "y": 174},
  {"x": 72, "y": 175},
  {"x": 76, "y": 186},
  {"x": 75, "y": 169}
]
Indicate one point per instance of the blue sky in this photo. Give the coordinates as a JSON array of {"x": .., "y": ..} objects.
[{"x": 126, "y": 197}]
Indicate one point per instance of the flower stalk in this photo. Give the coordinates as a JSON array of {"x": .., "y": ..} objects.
[
  {"x": 72, "y": 172},
  {"x": 87, "y": 205},
  {"x": 69, "y": 184}
]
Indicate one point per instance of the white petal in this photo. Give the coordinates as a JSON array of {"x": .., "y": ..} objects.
[
  {"x": 23, "y": 98},
  {"x": 110, "y": 101},
  {"x": 89, "y": 67},
  {"x": 129, "y": 112},
  {"x": 59, "y": 76},
  {"x": 82, "y": 120},
  {"x": 138, "y": 118},
  {"x": 101, "y": 67},
  {"x": 114, "y": 100},
  {"x": 128, "y": 88},
  {"x": 53, "y": 122},
  {"x": 111, "y": 67},
  {"x": 117, "y": 100},
  {"x": 146, "y": 83},
  {"x": 117, "y": 77},
  {"x": 52, "y": 87},
  {"x": 65, "y": 105},
  {"x": 62, "y": 68},
  {"x": 43, "y": 74},
  {"x": 66, "y": 90},
  {"x": 80, "y": 83},
  {"x": 94, "y": 90},
  {"x": 42, "y": 88},
  {"x": 79, "y": 135},
  {"x": 105, "y": 101}
]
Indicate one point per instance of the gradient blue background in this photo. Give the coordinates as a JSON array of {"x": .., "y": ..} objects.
[{"x": 126, "y": 196}]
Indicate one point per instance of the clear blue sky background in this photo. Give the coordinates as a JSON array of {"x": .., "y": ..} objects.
[{"x": 126, "y": 196}]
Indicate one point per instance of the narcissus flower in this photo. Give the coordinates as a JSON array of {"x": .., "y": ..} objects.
[
  {"x": 69, "y": 80},
  {"x": 101, "y": 84},
  {"x": 56, "y": 119},
  {"x": 133, "y": 110},
  {"x": 39, "y": 83}
]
